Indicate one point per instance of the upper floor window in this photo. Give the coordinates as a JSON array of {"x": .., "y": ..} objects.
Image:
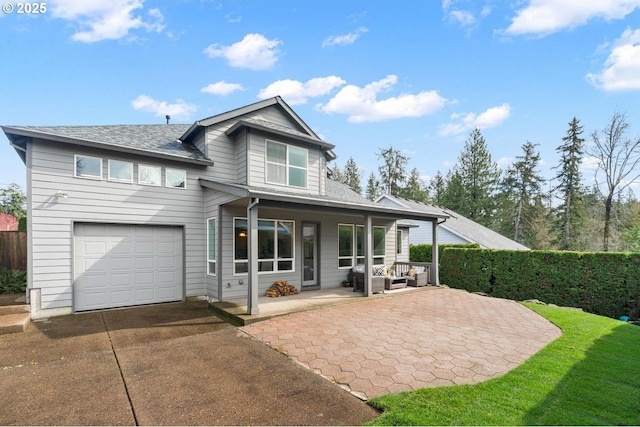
[
  {"x": 120, "y": 171},
  {"x": 286, "y": 164},
  {"x": 176, "y": 178},
  {"x": 149, "y": 175},
  {"x": 88, "y": 167}
]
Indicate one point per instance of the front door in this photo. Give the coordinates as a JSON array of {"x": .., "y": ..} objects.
[{"x": 310, "y": 255}]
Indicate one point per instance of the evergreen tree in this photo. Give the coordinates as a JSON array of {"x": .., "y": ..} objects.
[
  {"x": 523, "y": 196},
  {"x": 415, "y": 189},
  {"x": 453, "y": 195},
  {"x": 373, "y": 190},
  {"x": 336, "y": 174},
  {"x": 479, "y": 177},
  {"x": 569, "y": 213},
  {"x": 352, "y": 175},
  {"x": 13, "y": 201},
  {"x": 392, "y": 175},
  {"x": 436, "y": 189}
]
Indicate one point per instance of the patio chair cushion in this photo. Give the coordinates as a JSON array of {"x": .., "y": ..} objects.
[
  {"x": 411, "y": 272},
  {"x": 419, "y": 269},
  {"x": 379, "y": 270}
]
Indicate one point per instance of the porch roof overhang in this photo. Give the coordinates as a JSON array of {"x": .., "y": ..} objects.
[{"x": 271, "y": 198}]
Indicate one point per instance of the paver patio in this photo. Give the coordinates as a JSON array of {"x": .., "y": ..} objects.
[{"x": 429, "y": 338}]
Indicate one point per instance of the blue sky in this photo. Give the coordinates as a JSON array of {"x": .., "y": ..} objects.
[{"x": 417, "y": 75}]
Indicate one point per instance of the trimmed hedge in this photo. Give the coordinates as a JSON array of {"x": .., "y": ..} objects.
[
  {"x": 602, "y": 283},
  {"x": 422, "y": 253}
]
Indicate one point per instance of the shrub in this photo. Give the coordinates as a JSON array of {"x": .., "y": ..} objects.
[
  {"x": 603, "y": 283},
  {"x": 422, "y": 252},
  {"x": 12, "y": 281}
]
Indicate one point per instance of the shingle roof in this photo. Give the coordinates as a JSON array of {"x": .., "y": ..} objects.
[
  {"x": 157, "y": 139},
  {"x": 466, "y": 228}
]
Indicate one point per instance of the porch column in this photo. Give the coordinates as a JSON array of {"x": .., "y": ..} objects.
[
  {"x": 368, "y": 254},
  {"x": 435, "y": 278},
  {"x": 252, "y": 245}
]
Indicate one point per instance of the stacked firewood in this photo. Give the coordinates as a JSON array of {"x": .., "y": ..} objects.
[{"x": 281, "y": 288}]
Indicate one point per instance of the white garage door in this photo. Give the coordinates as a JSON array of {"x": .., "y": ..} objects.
[{"x": 124, "y": 265}]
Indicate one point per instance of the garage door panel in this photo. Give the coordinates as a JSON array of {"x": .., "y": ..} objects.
[
  {"x": 123, "y": 247},
  {"x": 122, "y": 265},
  {"x": 143, "y": 263}
]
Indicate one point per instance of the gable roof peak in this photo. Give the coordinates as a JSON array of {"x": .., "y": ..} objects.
[{"x": 237, "y": 112}]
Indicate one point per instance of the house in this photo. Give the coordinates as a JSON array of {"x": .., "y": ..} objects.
[
  {"x": 455, "y": 229},
  {"x": 8, "y": 222},
  {"x": 125, "y": 215}
]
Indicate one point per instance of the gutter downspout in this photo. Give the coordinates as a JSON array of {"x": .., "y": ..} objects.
[{"x": 252, "y": 245}]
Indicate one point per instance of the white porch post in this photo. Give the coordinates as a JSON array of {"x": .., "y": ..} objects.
[
  {"x": 368, "y": 254},
  {"x": 252, "y": 245},
  {"x": 435, "y": 278}
]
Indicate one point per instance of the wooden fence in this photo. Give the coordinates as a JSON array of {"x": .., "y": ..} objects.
[{"x": 13, "y": 250}]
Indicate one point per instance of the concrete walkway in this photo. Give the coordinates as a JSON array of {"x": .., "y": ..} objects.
[
  {"x": 427, "y": 338},
  {"x": 167, "y": 364}
]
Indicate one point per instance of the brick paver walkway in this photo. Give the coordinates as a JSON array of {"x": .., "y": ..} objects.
[{"x": 401, "y": 342}]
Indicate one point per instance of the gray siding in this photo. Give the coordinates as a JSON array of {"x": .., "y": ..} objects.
[
  {"x": 213, "y": 201},
  {"x": 230, "y": 154},
  {"x": 422, "y": 234},
  {"x": 257, "y": 164},
  {"x": 51, "y": 221},
  {"x": 330, "y": 275}
]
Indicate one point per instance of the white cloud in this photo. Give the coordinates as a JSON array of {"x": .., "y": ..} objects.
[
  {"x": 222, "y": 88},
  {"x": 543, "y": 17},
  {"x": 295, "y": 92},
  {"x": 232, "y": 18},
  {"x": 180, "y": 110},
  {"x": 622, "y": 68},
  {"x": 344, "y": 39},
  {"x": 105, "y": 19},
  {"x": 362, "y": 105},
  {"x": 488, "y": 119},
  {"x": 462, "y": 17},
  {"x": 254, "y": 51}
]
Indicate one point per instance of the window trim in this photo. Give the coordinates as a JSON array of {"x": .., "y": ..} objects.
[
  {"x": 110, "y": 178},
  {"x": 210, "y": 259},
  {"x": 287, "y": 164},
  {"x": 354, "y": 255},
  {"x": 166, "y": 178},
  {"x": 140, "y": 165},
  {"x": 274, "y": 260},
  {"x": 384, "y": 245},
  {"x": 353, "y": 246},
  {"x": 75, "y": 167}
]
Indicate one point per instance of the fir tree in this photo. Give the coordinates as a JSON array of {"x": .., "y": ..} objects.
[
  {"x": 415, "y": 189},
  {"x": 392, "y": 175},
  {"x": 568, "y": 214},
  {"x": 479, "y": 176},
  {"x": 352, "y": 175},
  {"x": 373, "y": 190},
  {"x": 523, "y": 196}
]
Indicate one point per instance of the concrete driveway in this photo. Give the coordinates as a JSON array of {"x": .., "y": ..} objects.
[
  {"x": 169, "y": 364},
  {"x": 429, "y": 337}
]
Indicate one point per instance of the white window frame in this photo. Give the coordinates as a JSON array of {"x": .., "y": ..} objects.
[
  {"x": 212, "y": 258},
  {"x": 384, "y": 257},
  {"x": 141, "y": 182},
  {"x": 110, "y": 178},
  {"x": 399, "y": 242},
  {"x": 276, "y": 259},
  {"x": 287, "y": 165},
  {"x": 353, "y": 246},
  {"x": 354, "y": 255},
  {"x": 75, "y": 167},
  {"x": 166, "y": 178}
]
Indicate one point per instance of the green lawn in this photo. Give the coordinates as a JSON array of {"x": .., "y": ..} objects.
[{"x": 588, "y": 376}]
